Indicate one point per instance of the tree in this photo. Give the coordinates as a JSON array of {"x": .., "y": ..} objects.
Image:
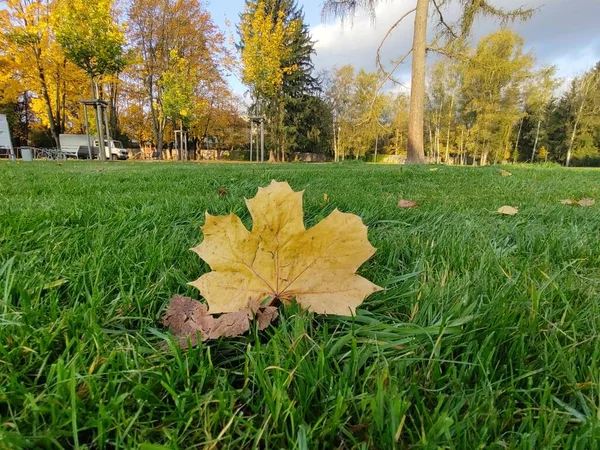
[
  {"x": 90, "y": 37},
  {"x": 539, "y": 95},
  {"x": 276, "y": 51},
  {"x": 442, "y": 96},
  {"x": 92, "y": 40},
  {"x": 340, "y": 93},
  {"x": 177, "y": 90},
  {"x": 573, "y": 122},
  {"x": 30, "y": 38},
  {"x": 452, "y": 34},
  {"x": 586, "y": 101},
  {"x": 399, "y": 124},
  {"x": 360, "y": 114},
  {"x": 166, "y": 34},
  {"x": 493, "y": 80},
  {"x": 367, "y": 115}
]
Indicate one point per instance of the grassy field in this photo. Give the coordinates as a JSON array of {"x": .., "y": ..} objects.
[{"x": 487, "y": 335}]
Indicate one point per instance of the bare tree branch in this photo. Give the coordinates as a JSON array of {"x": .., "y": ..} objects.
[
  {"x": 385, "y": 38},
  {"x": 443, "y": 22}
]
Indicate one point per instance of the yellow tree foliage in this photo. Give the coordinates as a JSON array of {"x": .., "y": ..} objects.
[
  {"x": 90, "y": 37},
  {"x": 29, "y": 39},
  {"x": 280, "y": 259},
  {"x": 264, "y": 50},
  {"x": 178, "y": 88},
  {"x": 38, "y": 65}
]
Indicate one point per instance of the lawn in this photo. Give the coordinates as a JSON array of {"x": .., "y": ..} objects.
[{"x": 487, "y": 335}]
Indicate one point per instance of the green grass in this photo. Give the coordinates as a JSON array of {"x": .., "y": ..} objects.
[{"x": 487, "y": 335}]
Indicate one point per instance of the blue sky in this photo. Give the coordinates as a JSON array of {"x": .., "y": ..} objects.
[
  {"x": 232, "y": 8},
  {"x": 562, "y": 32}
]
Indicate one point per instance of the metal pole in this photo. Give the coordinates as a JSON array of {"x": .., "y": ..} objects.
[
  {"x": 87, "y": 131},
  {"x": 251, "y": 137},
  {"x": 376, "y": 144},
  {"x": 262, "y": 140},
  {"x": 100, "y": 130},
  {"x": 107, "y": 132}
]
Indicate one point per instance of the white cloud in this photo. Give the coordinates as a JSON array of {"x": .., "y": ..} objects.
[{"x": 562, "y": 32}]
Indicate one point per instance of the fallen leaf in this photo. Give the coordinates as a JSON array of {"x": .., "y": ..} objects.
[
  {"x": 222, "y": 192},
  {"x": 583, "y": 202},
  {"x": 586, "y": 202},
  {"x": 187, "y": 317},
  {"x": 281, "y": 260},
  {"x": 505, "y": 173},
  {"x": 407, "y": 204},
  {"x": 264, "y": 316},
  {"x": 508, "y": 210},
  {"x": 325, "y": 198},
  {"x": 433, "y": 169}
]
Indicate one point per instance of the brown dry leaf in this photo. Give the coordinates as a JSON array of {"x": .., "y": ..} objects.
[
  {"x": 264, "y": 316},
  {"x": 407, "y": 204},
  {"x": 187, "y": 317},
  {"x": 281, "y": 259},
  {"x": 568, "y": 201},
  {"x": 586, "y": 202},
  {"x": 222, "y": 192},
  {"x": 504, "y": 173},
  {"x": 508, "y": 210}
]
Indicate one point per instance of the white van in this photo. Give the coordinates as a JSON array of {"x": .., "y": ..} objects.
[{"x": 76, "y": 146}]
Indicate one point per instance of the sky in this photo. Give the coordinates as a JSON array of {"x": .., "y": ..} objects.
[{"x": 564, "y": 33}]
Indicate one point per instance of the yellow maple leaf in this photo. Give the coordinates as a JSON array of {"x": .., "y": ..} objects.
[
  {"x": 508, "y": 210},
  {"x": 282, "y": 260}
]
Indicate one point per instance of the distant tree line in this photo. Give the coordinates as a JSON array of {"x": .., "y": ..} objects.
[
  {"x": 491, "y": 106},
  {"x": 161, "y": 65}
]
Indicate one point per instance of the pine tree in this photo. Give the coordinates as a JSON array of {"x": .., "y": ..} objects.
[{"x": 276, "y": 52}]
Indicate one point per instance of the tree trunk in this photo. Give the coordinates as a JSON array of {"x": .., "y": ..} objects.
[
  {"x": 537, "y": 135},
  {"x": 461, "y": 157},
  {"x": 568, "y": 161},
  {"x": 515, "y": 154},
  {"x": 46, "y": 96},
  {"x": 58, "y": 107},
  {"x": 431, "y": 145},
  {"x": 569, "y": 151},
  {"x": 155, "y": 119},
  {"x": 335, "y": 149},
  {"x": 586, "y": 85},
  {"x": 415, "y": 151},
  {"x": 448, "y": 135}
]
